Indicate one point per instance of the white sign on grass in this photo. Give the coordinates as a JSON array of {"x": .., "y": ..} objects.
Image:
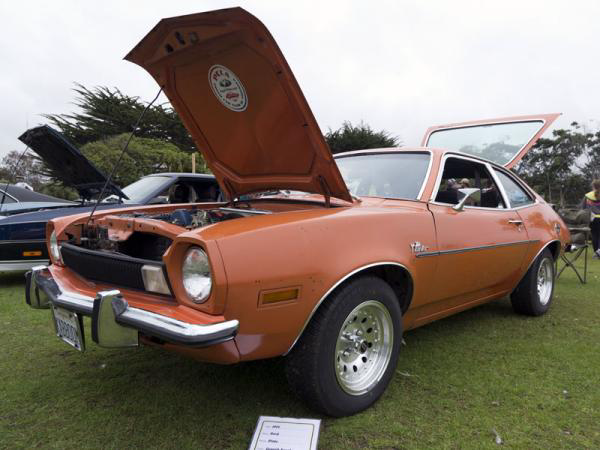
[{"x": 285, "y": 433}]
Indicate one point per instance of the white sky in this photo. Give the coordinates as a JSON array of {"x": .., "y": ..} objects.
[{"x": 398, "y": 65}]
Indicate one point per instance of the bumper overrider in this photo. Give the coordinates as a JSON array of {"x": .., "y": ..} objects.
[{"x": 114, "y": 322}]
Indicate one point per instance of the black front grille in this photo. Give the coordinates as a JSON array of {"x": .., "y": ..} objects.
[{"x": 103, "y": 267}]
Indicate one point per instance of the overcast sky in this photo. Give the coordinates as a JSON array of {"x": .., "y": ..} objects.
[{"x": 398, "y": 65}]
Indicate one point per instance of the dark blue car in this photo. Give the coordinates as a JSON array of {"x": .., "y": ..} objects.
[
  {"x": 17, "y": 200},
  {"x": 22, "y": 236}
]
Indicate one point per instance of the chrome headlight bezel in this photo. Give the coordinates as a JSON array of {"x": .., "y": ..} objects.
[
  {"x": 196, "y": 275},
  {"x": 54, "y": 248}
]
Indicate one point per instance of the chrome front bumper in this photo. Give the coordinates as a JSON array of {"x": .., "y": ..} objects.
[
  {"x": 19, "y": 266},
  {"x": 114, "y": 322}
]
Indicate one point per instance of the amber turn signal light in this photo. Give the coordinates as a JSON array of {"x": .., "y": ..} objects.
[{"x": 279, "y": 296}]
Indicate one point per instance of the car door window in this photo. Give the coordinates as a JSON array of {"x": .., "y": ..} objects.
[
  {"x": 462, "y": 173},
  {"x": 517, "y": 196},
  {"x": 205, "y": 190}
]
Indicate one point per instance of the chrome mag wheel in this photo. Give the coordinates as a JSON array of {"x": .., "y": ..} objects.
[
  {"x": 545, "y": 280},
  {"x": 364, "y": 347}
]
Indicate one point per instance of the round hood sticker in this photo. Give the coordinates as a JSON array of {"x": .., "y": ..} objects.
[{"x": 228, "y": 88}]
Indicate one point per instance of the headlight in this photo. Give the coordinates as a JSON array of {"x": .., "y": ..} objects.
[
  {"x": 196, "y": 275},
  {"x": 55, "y": 249}
]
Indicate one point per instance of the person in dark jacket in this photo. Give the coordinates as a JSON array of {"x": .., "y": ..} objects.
[{"x": 591, "y": 201}]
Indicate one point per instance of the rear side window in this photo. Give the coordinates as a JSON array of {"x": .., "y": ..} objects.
[{"x": 517, "y": 196}]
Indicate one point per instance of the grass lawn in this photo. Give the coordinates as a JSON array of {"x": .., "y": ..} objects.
[{"x": 535, "y": 381}]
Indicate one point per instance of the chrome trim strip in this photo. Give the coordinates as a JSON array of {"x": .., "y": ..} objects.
[
  {"x": 23, "y": 241},
  {"x": 340, "y": 281},
  {"x": 19, "y": 265},
  {"x": 472, "y": 249},
  {"x": 152, "y": 324}
]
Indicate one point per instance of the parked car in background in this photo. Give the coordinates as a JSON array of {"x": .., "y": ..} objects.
[
  {"x": 17, "y": 200},
  {"x": 324, "y": 261},
  {"x": 22, "y": 236}
]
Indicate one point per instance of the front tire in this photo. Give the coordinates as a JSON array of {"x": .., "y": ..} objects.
[
  {"x": 533, "y": 295},
  {"x": 347, "y": 355}
]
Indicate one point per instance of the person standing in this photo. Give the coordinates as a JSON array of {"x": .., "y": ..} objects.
[{"x": 591, "y": 201}]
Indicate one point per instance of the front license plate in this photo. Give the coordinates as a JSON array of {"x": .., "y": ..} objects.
[{"x": 69, "y": 327}]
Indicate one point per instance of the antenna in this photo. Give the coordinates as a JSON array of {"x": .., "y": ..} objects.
[{"x": 114, "y": 169}]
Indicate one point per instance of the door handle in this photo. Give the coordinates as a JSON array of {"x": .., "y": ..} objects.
[{"x": 517, "y": 222}]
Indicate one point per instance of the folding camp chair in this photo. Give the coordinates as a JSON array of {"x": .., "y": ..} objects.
[{"x": 577, "y": 222}]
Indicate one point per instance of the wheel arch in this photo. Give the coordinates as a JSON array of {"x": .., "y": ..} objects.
[
  {"x": 395, "y": 274},
  {"x": 554, "y": 248}
]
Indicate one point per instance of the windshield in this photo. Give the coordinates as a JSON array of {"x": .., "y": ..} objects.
[
  {"x": 140, "y": 189},
  {"x": 389, "y": 175},
  {"x": 500, "y": 142}
]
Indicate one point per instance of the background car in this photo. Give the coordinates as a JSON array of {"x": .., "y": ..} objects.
[
  {"x": 17, "y": 200},
  {"x": 381, "y": 241},
  {"x": 22, "y": 236}
]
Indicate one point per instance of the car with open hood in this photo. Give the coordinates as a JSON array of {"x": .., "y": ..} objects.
[
  {"x": 23, "y": 232},
  {"x": 323, "y": 260}
]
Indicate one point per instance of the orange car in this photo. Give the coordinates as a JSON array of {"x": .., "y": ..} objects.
[{"x": 325, "y": 261}]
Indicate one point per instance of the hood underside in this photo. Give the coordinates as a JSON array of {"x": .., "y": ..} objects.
[
  {"x": 67, "y": 163},
  {"x": 234, "y": 91}
]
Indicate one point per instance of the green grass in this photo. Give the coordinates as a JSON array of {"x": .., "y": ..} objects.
[{"x": 536, "y": 381}]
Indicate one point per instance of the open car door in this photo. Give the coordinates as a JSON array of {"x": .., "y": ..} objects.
[{"x": 503, "y": 141}]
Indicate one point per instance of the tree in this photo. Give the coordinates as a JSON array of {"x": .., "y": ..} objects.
[
  {"x": 558, "y": 167},
  {"x": 108, "y": 112},
  {"x": 358, "y": 137},
  {"x": 16, "y": 167},
  {"x": 144, "y": 156}
]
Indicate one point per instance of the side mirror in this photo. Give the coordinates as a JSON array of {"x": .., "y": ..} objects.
[
  {"x": 160, "y": 200},
  {"x": 468, "y": 193}
]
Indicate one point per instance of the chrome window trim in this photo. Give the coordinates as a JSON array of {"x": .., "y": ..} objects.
[
  {"x": 500, "y": 186},
  {"x": 489, "y": 165},
  {"x": 427, "y": 174},
  {"x": 335, "y": 285},
  {"x": 498, "y": 122},
  {"x": 473, "y": 249},
  {"x": 395, "y": 150}
]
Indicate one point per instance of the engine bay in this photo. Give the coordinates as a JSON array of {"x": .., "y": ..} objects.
[
  {"x": 198, "y": 218},
  {"x": 147, "y": 245}
]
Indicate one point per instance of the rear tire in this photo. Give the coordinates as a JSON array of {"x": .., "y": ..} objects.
[
  {"x": 533, "y": 295},
  {"x": 348, "y": 353}
]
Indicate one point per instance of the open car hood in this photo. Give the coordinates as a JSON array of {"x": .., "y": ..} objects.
[
  {"x": 504, "y": 141},
  {"x": 67, "y": 163},
  {"x": 230, "y": 84}
]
